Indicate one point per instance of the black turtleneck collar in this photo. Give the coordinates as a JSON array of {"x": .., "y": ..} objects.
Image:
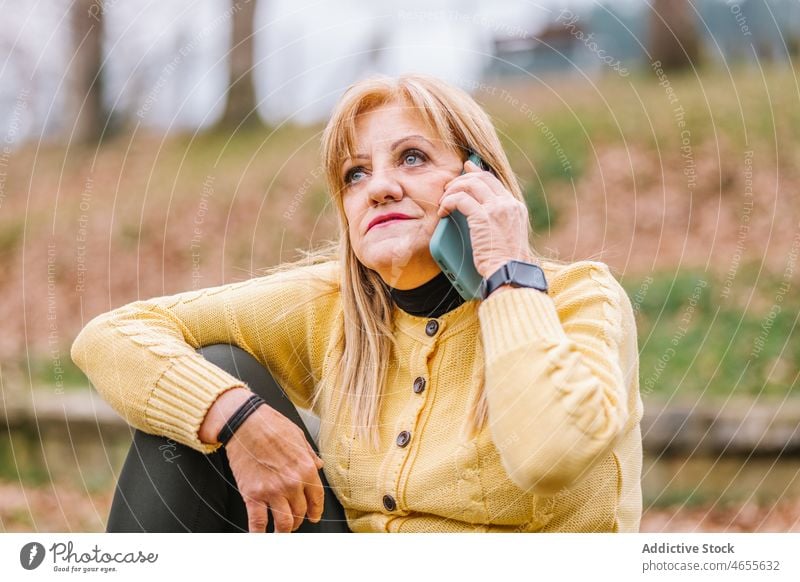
[{"x": 431, "y": 299}]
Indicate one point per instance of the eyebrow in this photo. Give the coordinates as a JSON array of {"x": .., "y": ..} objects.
[{"x": 363, "y": 156}]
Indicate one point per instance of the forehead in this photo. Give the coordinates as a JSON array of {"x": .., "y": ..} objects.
[{"x": 388, "y": 122}]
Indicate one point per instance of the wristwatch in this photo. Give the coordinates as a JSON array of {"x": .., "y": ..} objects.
[{"x": 516, "y": 274}]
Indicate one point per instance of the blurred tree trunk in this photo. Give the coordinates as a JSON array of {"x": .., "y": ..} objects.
[
  {"x": 673, "y": 34},
  {"x": 240, "y": 107},
  {"x": 87, "y": 115}
]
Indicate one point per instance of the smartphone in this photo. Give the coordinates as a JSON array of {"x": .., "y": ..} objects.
[{"x": 451, "y": 248}]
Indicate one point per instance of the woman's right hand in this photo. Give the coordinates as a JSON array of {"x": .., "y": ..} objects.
[{"x": 272, "y": 462}]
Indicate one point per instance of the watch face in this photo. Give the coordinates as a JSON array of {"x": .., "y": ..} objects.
[
  {"x": 527, "y": 275},
  {"x": 516, "y": 274}
]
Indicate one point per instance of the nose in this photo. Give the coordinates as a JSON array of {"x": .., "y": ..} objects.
[{"x": 383, "y": 185}]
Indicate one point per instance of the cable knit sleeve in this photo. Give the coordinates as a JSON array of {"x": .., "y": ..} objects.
[
  {"x": 557, "y": 394},
  {"x": 141, "y": 357}
]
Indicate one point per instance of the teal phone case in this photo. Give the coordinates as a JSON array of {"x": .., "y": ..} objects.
[{"x": 451, "y": 248}]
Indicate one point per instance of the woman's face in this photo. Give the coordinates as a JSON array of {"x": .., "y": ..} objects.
[{"x": 401, "y": 166}]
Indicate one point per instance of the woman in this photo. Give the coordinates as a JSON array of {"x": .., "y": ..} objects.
[{"x": 516, "y": 413}]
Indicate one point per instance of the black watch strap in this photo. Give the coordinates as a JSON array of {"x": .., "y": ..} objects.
[
  {"x": 517, "y": 274},
  {"x": 242, "y": 413}
]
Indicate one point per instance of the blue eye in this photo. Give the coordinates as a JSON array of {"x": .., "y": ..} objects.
[
  {"x": 413, "y": 157},
  {"x": 353, "y": 175}
]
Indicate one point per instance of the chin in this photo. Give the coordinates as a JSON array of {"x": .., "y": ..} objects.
[{"x": 393, "y": 261}]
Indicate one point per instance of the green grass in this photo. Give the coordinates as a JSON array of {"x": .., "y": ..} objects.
[
  {"x": 542, "y": 212},
  {"x": 695, "y": 340},
  {"x": 44, "y": 373},
  {"x": 10, "y": 236},
  {"x": 686, "y": 497},
  {"x": 23, "y": 460}
]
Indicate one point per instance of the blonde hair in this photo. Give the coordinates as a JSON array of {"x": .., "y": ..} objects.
[{"x": 367, "y": 335}]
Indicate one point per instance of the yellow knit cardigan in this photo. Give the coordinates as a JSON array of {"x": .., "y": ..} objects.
[{"x": 561, "y": 451}]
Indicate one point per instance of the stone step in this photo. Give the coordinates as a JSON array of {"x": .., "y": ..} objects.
[
  {"x": 81, "y": 410},
  {"x": 735, "y": 427}
]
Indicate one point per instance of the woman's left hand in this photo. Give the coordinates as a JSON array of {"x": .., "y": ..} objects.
[{"x": 498, "y": 222}]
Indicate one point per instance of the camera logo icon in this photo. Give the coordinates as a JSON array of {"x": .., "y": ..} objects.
[{"x": 31, "y": 555}]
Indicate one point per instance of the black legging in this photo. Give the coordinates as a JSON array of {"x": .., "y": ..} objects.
[{"x": 168, "y": 487}]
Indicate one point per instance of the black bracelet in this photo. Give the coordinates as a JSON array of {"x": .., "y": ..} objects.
[{"x": 242, "y": 413}]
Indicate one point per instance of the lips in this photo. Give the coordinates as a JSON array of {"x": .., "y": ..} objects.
[{"x": 386, "y": 218}]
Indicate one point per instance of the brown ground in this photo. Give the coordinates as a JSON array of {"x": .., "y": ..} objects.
[{"x": 782, "y": 517}]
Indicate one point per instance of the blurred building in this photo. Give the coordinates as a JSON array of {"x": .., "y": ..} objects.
[{"x": 591, "y": 39}]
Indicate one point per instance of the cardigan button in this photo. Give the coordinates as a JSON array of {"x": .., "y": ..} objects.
[
  {"x": 389, "y": 503},
  {"x": 403, "y": 438},
  {"x": 432, "y": 327},
  {"x": 419, "y": 385}
]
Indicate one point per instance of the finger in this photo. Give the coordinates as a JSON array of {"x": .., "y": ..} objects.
[
  {"x": 282, "y": 515},
  {"x": 315, "y": 500},
  {"x": 257, "y": 517},
  {"x": 317, "y": 459},
  {"x": 471, "y": 167},
  {"x": 478, "y": 188},
  {"x": 299, "y": 507},
  {"x": 460, "y": 201},
  {"x": 488, "y": 178}
]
